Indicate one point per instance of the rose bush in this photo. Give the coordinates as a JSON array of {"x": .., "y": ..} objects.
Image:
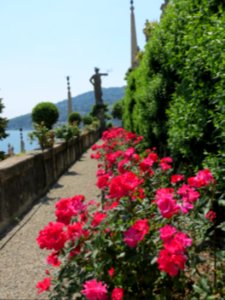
[{"x": 145, "y": 240}]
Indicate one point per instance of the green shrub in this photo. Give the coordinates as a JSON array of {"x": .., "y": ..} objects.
[
  {"x": 45, "y": 112},
  {"x": 87, "y": 119},
  {"x": 97, "y": 108},
  {"x": 67, "y": 132},
  {"x": 44, "y": 135},
  {"x": 117, "y": 110},
  {"x": 75, "y": 118}
]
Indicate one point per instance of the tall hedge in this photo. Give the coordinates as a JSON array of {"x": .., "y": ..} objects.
[
  {"x": 176, "y": 97},
  {"x": 148, "y": 93}
]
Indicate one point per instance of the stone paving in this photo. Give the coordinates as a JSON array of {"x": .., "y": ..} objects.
[{"x": 22, "y": 263}]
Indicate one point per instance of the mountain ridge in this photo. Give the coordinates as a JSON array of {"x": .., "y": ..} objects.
[{"x": 82, "y": 103}]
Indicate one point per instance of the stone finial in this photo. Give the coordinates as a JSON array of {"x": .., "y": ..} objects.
[{"x": 131, "y": 4}]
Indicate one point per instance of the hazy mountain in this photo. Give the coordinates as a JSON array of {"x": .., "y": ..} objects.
[{"x": 82, "y": 103}]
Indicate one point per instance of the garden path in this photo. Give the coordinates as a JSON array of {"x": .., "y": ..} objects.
[{"x": 22, "y": 263}]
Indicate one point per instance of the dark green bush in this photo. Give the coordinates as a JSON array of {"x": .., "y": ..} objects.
[
  {"x": 75, "y": 117},
  {"x": 98, "y": 108},
  {"x": 117, "y": 110},
  {"x": 45, "y": 112},
  {"x": 87, "y": 119}
]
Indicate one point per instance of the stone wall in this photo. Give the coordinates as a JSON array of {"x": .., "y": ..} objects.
[{"x": 26, "y": 178}]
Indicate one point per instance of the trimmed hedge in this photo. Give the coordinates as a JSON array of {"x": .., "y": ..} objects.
[
  {"x": 176, "y": 97},
  {"x": 45, "y": 112}
]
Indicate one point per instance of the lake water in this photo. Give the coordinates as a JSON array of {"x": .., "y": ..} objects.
[{"x": 14, "y": 140}]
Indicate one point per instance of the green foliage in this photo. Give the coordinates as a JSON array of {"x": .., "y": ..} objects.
[
  {"x": 129, "y": 102},
  {"x": 147, "y": 96},
  {"x": 3, "y": 122},
  {"x": 87, "y": 119},
  {"x": 67, "y": 132},
  {"x": 44, "y": 135},
  {"x": 93, "y": 126},
  {"x": 75, "y": 117},
  {"x": 46, "y": 112},
  {"x": 117, "y": 110},
  {"x": 149, "y": 28},
  {"x": 97, "y": 108},
  {"x": 176, "y": 98},
  {"x": 195, "y": 111}
]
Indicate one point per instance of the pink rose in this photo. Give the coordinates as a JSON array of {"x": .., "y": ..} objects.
[
  {"x": 94, "y": 290},
  {"x": 43, "y": 285},
  {"x": 136, "y": 233},
  {"x": 117, "y": 294}
]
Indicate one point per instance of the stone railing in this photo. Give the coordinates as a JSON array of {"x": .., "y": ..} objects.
[{"x": 26, "y": 178}]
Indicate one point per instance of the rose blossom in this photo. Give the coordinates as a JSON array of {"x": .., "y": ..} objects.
[
  {"x": 148, "y": 162},
  {"x": 96, "y": 155},
  {"x": 203, "y": 178},
  {"x": 167, "y": 232},
  {"x": 52, "y": 236},
  {"x": 98, "y": 217},
  {"x": 129, "y": 153},
  {"x": 188, "y": 193},
  {"x": 122, "y": 166},
  {"x": 75, "y": 231},
  {"x": 171, "y": 263},
  {"x": 136, "y": 233},
  {"x": 211, "y": 215},
  {"x": 94, "y": 290},
  {"x": 166, "y": 204},
  {"x": 112, "y": 157},
  {"x": 117, "y": 294},
  {"x": 111, "y": 272},
  {"x": 174, "y": 240},
  {"x": 110, "y": 206},
  {"x": 53, "y": 259},
  {"x": 69, "y": 207},
  {"x": 178, "y": 243},
  {"x": 165, "y": 163},
  {"x": 102, "y": 181},
  {"x": 122, "y": 185},
  {"x": 176, "y": 178},
  {"x": 172, "y": 258},
  {"x": 43, "y": 285}
]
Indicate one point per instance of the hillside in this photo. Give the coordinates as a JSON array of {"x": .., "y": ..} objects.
[{"x": 81, "y": 103}]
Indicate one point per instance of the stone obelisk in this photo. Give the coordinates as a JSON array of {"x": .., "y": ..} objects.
[{"x": 134, "y": 46}]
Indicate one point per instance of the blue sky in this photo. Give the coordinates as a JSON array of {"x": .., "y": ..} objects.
[{"x": 43, "y": 41}]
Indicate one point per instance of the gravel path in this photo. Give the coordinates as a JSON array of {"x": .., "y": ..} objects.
[{"x": 22, "y": 263}]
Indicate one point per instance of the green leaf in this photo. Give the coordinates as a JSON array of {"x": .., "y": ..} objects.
[
  {"x": 221, "y": 202},
  {"x": 121, "y": 255}
]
